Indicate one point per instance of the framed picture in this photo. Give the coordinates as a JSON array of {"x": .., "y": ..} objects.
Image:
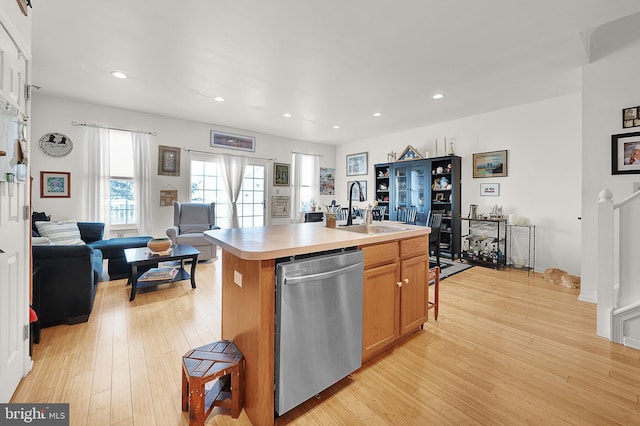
[
  {"x": 357, "y": 164},
  {"x": 490, "y": 164},
  {"x": 491, "y": 189},
  {"x": 355, "y": 195},
  {"x": 327, "y": 180},
  {"x": 167, "y": 197},
  {"x": 231, "y": 141},
  {"x": 625, "y": 153},
  {"x": 281, "y": 206},
  {"x": 631, "y": 117},
  {"x": 55, "y": 185},
  {"x": 168, "y": 161},
  {"x": 280, "y": 174}
]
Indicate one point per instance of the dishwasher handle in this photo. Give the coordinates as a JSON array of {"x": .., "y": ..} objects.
[{"x": 322, "y": 275}]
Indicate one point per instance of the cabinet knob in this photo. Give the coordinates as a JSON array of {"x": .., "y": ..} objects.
[
  {"x": 406, "y": 280},
  {"x": 399, "y": 283}
]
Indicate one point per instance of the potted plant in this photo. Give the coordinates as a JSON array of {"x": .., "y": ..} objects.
[{"x": 313, "y": 204}]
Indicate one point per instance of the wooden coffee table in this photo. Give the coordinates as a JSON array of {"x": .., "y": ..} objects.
[{"x": 142, "y": 256}]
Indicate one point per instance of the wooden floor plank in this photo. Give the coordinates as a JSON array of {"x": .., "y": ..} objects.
[{"x": 506, "y": 349}]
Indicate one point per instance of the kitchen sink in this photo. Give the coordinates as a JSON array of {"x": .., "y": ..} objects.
[{"x": 373, "y": 229}]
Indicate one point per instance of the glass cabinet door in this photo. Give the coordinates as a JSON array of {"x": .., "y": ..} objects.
[
  {"x": 409, "y": 189},
  {"x": 401, "y": 185}
]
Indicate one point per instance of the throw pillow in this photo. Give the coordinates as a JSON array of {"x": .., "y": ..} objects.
[
  {"x": 64, "y": 233},
  {"x": 40, "y": 241},
  {"x": 191, "y": 228}
]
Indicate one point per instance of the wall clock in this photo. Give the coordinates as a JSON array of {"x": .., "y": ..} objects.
[{"x": 55, "y": 144}]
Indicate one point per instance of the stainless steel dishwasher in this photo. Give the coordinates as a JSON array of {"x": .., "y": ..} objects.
[{"x": 318, "y": 324}]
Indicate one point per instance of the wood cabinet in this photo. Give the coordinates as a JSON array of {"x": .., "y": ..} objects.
[{"x": 395, "y": 292}]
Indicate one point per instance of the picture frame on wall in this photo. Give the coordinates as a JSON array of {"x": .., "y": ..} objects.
[
  {"x": 490, "y": 189},
  {"x": 168, "y": 161},
  {"x": 232, "y": 141},
  {"x": 281, "y": 206},
  {"x": 355, "y": 195},
  {"x": 490, "y": 164},
  {"x": 55, "y": 184},
  {"x": 281, "y": 174},
  {"x": 625, "y": 153},
  {"x": 357, "y": 164}
]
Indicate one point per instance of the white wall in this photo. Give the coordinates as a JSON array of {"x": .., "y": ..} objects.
[
  {"x": 52, "y": 114},
  {"x": 19, "y": 26},
  {"x": 610, "y": 83},
  {"x": 543, "y": 140}
]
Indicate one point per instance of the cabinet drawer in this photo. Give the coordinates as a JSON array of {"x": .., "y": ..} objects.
[
  {"x": 379, "y": 254},
  {"x": 414, "y": 246}
]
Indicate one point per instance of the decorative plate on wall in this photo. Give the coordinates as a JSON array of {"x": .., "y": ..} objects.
[{"x": 55, "y": 144}]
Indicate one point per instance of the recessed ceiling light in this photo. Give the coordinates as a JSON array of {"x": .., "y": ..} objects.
[
  {"x": 336, "y": 127},
  {"x": 438, "y": 96},
  {"x": 218, "y": 99},
  {"x": 377, "y": 114},
  {"x": 286, "y": 115},
  {"x": 118, "y": 74}
]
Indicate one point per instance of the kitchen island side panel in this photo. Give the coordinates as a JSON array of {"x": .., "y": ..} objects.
[{"x": 248, "y": 320}]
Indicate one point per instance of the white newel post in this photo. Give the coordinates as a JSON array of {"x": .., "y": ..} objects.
[{"x": 605, "y": 242}]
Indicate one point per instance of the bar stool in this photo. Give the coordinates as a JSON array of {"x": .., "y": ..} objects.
[
  {"x": 219, "y": 360},
  {"x": 434, "y": 277}
]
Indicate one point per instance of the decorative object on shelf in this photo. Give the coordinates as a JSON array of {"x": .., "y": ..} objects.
[
  {"x": 159, "y": 245},
  {"x": 410, "y": 153},
  {"x": 451, "y": 151},
  {"x": 355, "y": 196},
  {"x": 625, "y": 153},
  {"x": 490, "y": 164},
  {"x": 496, "y": 212},
  {"x": 357, "y": 164},
  {"x": 168, "y": 160},
  {"x": 473, "y": 211},
  {"x": 280, "y": 174},
  {"x": 490, "y": 189},
  {"x": 327, "y": 181},
  {"x": 391, "y": 157},
  {"x": 55, "y": 144},
  {"x": 55, "y": 185},
  {"x": 631, "y": 117},
  {"x": 281, "y": 206},
  {"x": 231, "y": 141}
]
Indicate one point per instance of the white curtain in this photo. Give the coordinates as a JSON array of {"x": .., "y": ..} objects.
[
  {"x": 232, "y": 172},
  {"x": 97, "y": 173},
  {"x": 142, "y": 182},
  {"x": 306, "y": 181}
]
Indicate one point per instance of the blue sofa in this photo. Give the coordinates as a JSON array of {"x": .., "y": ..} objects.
[{"x": 66, "y": 278}]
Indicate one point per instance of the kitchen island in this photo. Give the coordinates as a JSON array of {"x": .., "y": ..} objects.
[{"x": 395, "y": 254}]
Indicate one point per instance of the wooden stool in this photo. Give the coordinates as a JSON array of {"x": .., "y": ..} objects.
[
  {"x": 434, "y": 276},
  {"x": 218, "y": 360}
]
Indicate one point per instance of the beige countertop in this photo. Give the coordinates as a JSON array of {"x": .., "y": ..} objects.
[{"x": 271, "y": 242}]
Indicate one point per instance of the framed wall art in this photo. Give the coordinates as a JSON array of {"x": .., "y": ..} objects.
[
  {"x": 625, "y": 153},
  {"x": 281, "y": 174},
  {"x": 631, "y": 117},
  {"x": 55, "y": 185},
  {"x": 231, "y": 141},
  {"x": 281, "y": 206},
  {"x": 490, "y": 189},
  {"x": 327, "y": 181},
  {"x": 355, "y": 195},
  {"x": 490, "y": 164},
  {"x": 168, "y": 161},
  {"x": 357, "y": 164}
]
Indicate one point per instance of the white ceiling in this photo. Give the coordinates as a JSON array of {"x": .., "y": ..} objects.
[{"x": 330, "y": 62}]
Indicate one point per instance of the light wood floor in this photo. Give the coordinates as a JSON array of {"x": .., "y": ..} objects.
[{"x": 506, "y": 349}]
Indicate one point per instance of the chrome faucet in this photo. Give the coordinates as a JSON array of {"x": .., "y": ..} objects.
[{"x": 349, "y": 216}]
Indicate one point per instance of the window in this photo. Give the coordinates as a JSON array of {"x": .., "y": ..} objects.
[
  {"x": 207, "y": 186},
  {"x": 306, "y": 180},
  {"x": 122, "y": 209}
]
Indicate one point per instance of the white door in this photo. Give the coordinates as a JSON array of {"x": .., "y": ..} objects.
[{"x": 14, "y": 227}]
